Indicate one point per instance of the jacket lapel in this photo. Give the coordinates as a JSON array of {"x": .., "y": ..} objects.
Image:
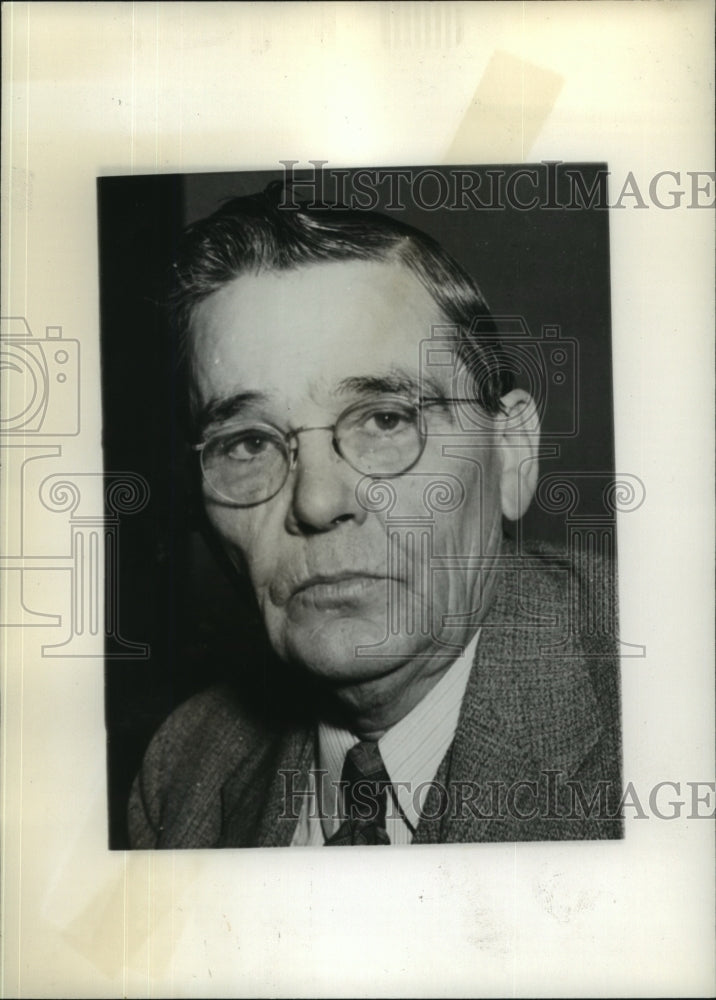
[
  {"x": 461, "y": 804},
  {"x": 262, "y": 799}
]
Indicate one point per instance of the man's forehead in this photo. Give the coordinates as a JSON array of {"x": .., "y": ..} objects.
[
  {"x": 323, "y": 292},
  {"x": 315, "y": 326}
]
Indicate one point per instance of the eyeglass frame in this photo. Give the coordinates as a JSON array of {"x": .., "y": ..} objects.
[{"x": 292, "y": 449}]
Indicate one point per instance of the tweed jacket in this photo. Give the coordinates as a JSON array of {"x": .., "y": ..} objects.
[{"x": 536, "y": 754}]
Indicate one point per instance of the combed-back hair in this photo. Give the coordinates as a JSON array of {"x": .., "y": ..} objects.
[{"x": 265, "y": 232}]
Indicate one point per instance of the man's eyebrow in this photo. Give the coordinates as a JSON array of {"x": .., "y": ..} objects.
[
  {"x": 395, "y": 382},
  {"x": 218, "y": 411}
]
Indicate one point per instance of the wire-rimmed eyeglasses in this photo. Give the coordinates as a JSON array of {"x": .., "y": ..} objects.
[{"x": 249, "y": 463}]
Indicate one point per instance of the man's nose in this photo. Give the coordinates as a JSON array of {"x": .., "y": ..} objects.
[{"x": 323, "y": 486}]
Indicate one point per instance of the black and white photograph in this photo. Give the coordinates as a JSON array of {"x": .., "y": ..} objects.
[{"x": 342, "y": 441}]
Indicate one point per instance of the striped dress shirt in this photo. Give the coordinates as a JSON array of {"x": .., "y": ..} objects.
[{"x": 411, "y": 750}]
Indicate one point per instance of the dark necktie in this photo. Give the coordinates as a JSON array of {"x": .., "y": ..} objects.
[{"x": 366, "y": 784}]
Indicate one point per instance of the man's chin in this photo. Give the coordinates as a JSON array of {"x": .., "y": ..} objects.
[{"x": 344, "y": 649}]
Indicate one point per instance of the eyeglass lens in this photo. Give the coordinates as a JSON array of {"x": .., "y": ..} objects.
[{"x": 249, "y": 464}]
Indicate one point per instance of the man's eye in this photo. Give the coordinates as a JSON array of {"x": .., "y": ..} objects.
[
  {"x": 389, "y": 421},
  {"x": 247, "y": 446}
]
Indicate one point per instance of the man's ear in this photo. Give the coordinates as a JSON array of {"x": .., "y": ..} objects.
[{"x": 518, "y": 433}]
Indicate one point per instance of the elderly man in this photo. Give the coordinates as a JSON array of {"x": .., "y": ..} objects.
[{"x": 360, "y": 440}]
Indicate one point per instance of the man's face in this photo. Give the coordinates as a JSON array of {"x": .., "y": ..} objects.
[{"x": 334, "y": 569}]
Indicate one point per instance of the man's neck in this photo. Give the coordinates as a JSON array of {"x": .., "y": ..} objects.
[{"x": 371, "y": 708}]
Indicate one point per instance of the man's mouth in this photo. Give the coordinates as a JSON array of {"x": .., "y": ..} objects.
[{"x": 334, "y": 590}]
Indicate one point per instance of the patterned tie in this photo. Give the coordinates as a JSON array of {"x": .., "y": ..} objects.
[{"x": 366, "y": 784}]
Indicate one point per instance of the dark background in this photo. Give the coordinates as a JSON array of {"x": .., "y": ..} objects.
[{"x": 548, "y": 265}]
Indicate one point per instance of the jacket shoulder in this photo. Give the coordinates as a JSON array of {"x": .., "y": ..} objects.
[
  {"x": 176, "y": 797},
  {"x": 549, "y": 654}
]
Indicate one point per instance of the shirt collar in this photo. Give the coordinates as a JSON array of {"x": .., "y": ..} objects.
[{"x": 412, "y": 749}]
